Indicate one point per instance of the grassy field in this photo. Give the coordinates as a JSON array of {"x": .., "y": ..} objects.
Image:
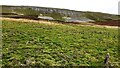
[{"x": 26, "y": 43}]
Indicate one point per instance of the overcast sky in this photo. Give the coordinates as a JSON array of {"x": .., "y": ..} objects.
[{"x": 106, "y": 6}]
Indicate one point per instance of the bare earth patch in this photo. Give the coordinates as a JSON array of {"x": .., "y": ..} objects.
[{"x": 100, "y": 26}]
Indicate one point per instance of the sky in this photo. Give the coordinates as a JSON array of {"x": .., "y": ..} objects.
[{"x": 105, "y": 6}]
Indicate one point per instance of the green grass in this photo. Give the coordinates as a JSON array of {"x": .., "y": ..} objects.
[{"x": 57, "y": 45}]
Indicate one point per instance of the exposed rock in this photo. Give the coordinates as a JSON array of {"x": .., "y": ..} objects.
[
  {"x": 45, "y": 17},
  {"x": 78, "y": 20}
]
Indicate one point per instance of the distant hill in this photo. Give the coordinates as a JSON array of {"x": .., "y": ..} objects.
[{"x": 57, "y": 14}]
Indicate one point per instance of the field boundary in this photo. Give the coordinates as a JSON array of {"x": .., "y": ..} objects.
[{"x": 55, "y": 23}]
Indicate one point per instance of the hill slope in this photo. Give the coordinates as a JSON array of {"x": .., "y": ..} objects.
[{"x": 58, "y": 14}]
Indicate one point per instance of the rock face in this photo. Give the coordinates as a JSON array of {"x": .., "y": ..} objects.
[{"x": 64, "y": 12}]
